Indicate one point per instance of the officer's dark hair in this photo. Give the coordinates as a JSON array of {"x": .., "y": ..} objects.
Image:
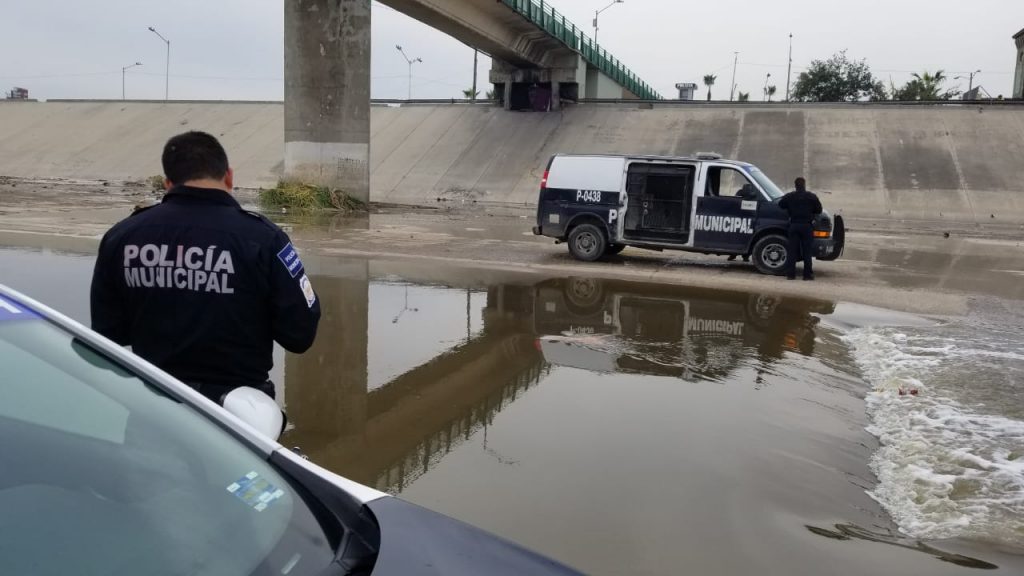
[
  {"x": 801, "y": 184},
  {"x": 194, "y": 156}
]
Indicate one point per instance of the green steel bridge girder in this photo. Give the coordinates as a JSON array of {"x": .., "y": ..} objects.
[{"x": 548, "y": 19}]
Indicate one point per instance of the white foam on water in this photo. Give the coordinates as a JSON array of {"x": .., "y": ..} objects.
[{"x": 945, "y": 469}]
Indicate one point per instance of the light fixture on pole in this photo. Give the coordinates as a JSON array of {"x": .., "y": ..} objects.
[
  {"x": 123, "y": 70},
  {"x": 598, "y": 13},
  {"x": 971, "y": 75},
  {"x": 789, "y": 68},
  {"x": 732, "y": 88},
  {"x": 167, "y": 67},
  {"x": 411, "y": 61}
]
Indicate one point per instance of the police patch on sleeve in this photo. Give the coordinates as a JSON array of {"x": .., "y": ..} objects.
[
  {"x": 290, "y": 258},
  {"x": 307, "y": 290}
]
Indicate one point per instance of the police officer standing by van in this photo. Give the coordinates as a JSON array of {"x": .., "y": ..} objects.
[
  {"x": 802, "y": 206},
  {"x": 200, "y": 287}
]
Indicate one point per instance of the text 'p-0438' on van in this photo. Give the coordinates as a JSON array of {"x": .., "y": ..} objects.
[{"x": 599, "y": 204}]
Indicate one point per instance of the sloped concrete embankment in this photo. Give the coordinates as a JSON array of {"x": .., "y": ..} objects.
[{"x": 954, "y": 163}]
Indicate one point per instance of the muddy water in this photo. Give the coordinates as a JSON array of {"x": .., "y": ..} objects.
[{"x": 624, "y": 428}]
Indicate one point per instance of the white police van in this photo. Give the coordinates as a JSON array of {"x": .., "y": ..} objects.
[{"x": 599, "y": 204}]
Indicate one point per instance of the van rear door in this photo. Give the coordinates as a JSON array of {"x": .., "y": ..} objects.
[{"x": 581, "y": 185}]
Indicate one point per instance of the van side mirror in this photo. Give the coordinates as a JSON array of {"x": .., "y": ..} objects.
[{"x": 257, "y": 410}]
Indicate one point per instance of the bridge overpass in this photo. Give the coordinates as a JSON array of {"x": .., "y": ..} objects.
[
  {"x": 539, "y": 60},
  {"x": 530, "y": 43}
]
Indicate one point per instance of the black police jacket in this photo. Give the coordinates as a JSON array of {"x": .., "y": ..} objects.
[
  {"x": 202, "y": 288},
  {"x": 802, "y": 206}
]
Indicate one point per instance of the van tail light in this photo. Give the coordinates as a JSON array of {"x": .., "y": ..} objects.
[
  {"x": 544, "y": 181},
  {"x": 822, "y": 234}
]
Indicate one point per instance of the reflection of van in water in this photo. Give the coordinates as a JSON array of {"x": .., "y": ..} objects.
[
  {"x": 599, "y": 204},
  {"x": 617, "y": 326}
]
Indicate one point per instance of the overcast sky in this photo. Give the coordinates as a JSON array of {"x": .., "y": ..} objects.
[{"x": 232, "y": 49}]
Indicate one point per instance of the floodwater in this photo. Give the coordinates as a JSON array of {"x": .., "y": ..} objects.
[{"x": 628, "y": 428}]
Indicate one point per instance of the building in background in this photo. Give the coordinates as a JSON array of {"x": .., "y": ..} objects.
[
  {"x": 686, "y": 90},
  {"x": 18, "y": 94},
  {"x": 1018, "y": 79}
]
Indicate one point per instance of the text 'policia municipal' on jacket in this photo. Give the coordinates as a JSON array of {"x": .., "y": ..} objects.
[
  {"x": 201, "y": 288},
  {"x": 802, "y": 206}
]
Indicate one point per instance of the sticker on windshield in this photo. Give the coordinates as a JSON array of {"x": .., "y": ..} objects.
[
  {"x": 11, "y": 311},
  {"x": 256, "y": 492}
]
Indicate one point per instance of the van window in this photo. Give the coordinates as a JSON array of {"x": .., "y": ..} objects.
[
  {"x": 766, "y": 184},
  {"x": 729, "y": 182}
]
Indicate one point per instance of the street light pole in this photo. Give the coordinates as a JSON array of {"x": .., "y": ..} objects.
[
  {"x": 732, "y": 87},
  {"x": 123, "y": 70},
  {"x": 411, "y": 61},
  {"x": 167, "y": 67},
  {"x": 765, "y": 89},
  {"x": 789, "y": 68},
  {"x": 598, "y": 13}
]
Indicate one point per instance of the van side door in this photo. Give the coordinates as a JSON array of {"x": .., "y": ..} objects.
[{"x": 726, "y": 214}]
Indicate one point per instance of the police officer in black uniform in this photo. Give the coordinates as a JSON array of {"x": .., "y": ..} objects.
[
  {"x": 200, "y": 287},
  {"x": 802, "y": 206}
]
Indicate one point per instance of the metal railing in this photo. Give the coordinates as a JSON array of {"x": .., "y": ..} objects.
[{"x": 549, "y": 20}]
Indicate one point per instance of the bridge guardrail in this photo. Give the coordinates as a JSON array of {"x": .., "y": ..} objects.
[{"x": 549, "y": 20}]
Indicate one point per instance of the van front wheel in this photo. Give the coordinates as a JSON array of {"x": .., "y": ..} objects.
[
  {"x": 587, "y": 242},
  {"x": 771, "y": 254}
]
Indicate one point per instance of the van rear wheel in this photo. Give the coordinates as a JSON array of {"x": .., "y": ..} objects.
[
  {"x": 587, "y": 242},
  {"x": 771, "y": 254}
]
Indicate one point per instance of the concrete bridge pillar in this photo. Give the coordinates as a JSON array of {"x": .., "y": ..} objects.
[
  {"x": 326, "y": 393},
  {"x": 1018, "y": 80},
  {"x": 563, "y": 78},
  {"x": 327, "y": 94}
]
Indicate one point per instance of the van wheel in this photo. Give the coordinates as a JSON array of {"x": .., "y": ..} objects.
[
  {"x": 584, "y": 296},
  {"x": 771, "y": 254},
  {"x": 587, "y": 242},
  {"x": 614, "y": 249}
]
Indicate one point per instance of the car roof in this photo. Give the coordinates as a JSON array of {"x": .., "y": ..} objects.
[{"x": 662, "y": 158}]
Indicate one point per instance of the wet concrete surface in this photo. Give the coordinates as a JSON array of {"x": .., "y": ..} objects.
[
  {"x": 622, "y": 427},
  {"x": 905, "y": 265}
]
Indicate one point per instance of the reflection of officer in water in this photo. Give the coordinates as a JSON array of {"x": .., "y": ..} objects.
[
  {"x": 197, "y": 285},
  {"x": 802, "y": 206}
]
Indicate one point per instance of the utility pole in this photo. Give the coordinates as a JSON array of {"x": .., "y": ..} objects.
[
  {"x": 167, "y": 67},
  {"x": 476, "y": 53},
  {"x": 789, "y": 68},
  {"x": 123, "y": 70},
  {"x": 971, "y": 75},
  {"x": 732, "y": 87}
]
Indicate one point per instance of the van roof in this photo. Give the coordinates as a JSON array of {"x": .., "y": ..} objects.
[{"x": 656, "y": 157}]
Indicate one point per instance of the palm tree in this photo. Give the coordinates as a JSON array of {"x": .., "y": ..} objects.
[
  {"x": 470, "y": 94},
  {"x": 743, "y": 97},
  {"x": 770, "y": 91},
  {"x": 929, "y": 85},
  {"x": 709, "y": 81},
  {"x": 490, "y": 95}
]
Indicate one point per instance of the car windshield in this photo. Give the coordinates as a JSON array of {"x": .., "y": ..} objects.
[
  {"x": 766, "y": 183},
  {"x": 102, "y": 473}
]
